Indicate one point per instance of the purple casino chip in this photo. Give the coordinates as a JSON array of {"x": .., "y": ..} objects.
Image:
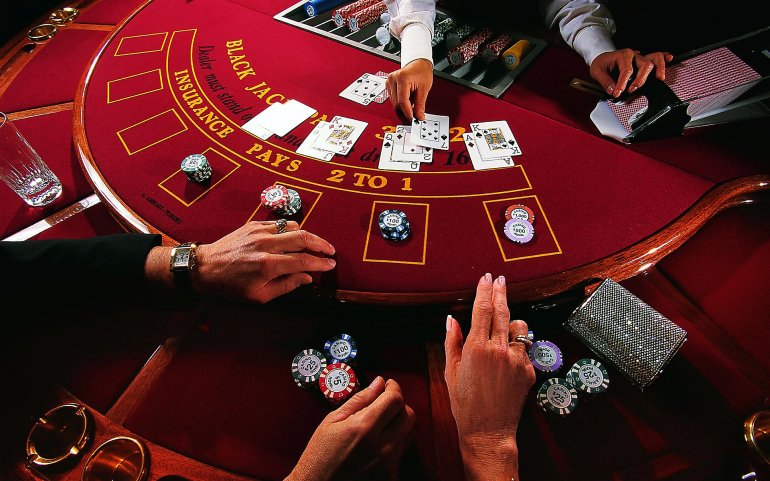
[
  {"x": 545, "y": 356},
  {"x": 519, "y": 230}
]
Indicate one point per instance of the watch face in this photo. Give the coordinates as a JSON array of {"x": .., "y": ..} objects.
[{"x": 181, "y": 258}]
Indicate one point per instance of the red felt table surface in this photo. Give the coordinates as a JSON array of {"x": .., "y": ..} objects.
[
  {"x": 108, "y": 12},
  {"x": 52, "y": 75},
  {"x": 595, "y": 197}
]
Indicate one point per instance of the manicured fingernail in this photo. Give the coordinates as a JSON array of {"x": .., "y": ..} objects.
[
  {"x": 449, "y": 322},
  {"x": 632, "y": 88},
  {"x": 333, "y": 249},
  {"x": 501, "y": 280},
  {"x": 331, "y": 262},
  {"x": 375, "y": 381},
  {"x": 488, "y": 277},
  {"x": 610, "y": 88}
]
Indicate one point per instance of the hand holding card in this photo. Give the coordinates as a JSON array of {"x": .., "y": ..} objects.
[{"x": 432, "y": 132}]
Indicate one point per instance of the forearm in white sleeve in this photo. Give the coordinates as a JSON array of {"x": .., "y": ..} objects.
[
  {"x": 411, "y": 21},
  {"x": 585, "y": 25}
]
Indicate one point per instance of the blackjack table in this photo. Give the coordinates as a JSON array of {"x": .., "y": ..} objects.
[{"x": 129, "y": 88}]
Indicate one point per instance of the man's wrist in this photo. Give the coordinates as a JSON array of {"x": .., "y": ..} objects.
[{"x": 490, "y": 459}]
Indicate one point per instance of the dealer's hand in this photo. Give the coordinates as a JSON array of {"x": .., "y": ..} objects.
[
  {"x": 625, "y": 60},
  {"x": 362, "y": 439},
  {"x": 408, "y": 88},
  {"x": 253, "y": 263},
  {"x": 488, "y": 381}
]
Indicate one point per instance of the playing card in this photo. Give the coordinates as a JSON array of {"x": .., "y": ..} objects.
[
  {"x": 307, "y": 145},
  {"x": 339, "y": 135},
  {"x": 364, "y": 89},
  {"x": 254, "y": 128},
  {"x": 386, "y": 161},
  {"x": 384, "y": 95},
  {"x": 478, "y": 163},
  {"x": 495, "y": 139},
  {"x": 432, "y": 132},
  {"x": 282, "y": 118},
  {"x": 405, "y": 151}
]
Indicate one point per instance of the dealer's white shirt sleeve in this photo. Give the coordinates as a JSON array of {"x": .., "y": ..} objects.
[
  {"x": 586, "y": 25},
  {"x": 411, "y": 21}
]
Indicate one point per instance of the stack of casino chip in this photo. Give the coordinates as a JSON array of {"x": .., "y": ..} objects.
[
  {"x": 557, "y": 396},
  {"x": 367, "y": 16},
  {"x": 394, "y": 225},
  {"x": 293, "y": 206},
  {"x": 513, "y": 55},
  {"x": 545, "y": 356},
  {"x": 468, "y": 48},
  {"x": 521, "y": 212},
  {"x": 589, "y": 376},
  {"x": 491, "y": 50},
  {"x": 519, "y": 225},
  {"x": 306, "y": 368},
  {"x": 196, "y": 167},
  {"x": 338, "y": 382},
  {"x": 341, "y": 348},
  {"x": 519, "y": 231},
  {"x": 456, "y": 35},
  {"x": 317, "y": 7},
  {"x": 441, "y": 29},
  {"x": 275, "y": 197},
  {"x": 281, "y": 200},
  {"x": 341, "y": 15}
]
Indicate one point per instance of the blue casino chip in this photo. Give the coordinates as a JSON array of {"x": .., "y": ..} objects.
[{"x": 341, "y": 348}]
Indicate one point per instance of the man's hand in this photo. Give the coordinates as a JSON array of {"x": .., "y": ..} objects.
[
  {"x": 488, "y": 380},
  {"x": 363, "y": 439},
  {"x": 624, "y": 61},
  {"x": 408, "y": 88},
  {"x": 256, "y": 263}
]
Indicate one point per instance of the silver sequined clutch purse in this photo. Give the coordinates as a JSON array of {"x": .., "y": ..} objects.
[{"x": 630, "y": 335}]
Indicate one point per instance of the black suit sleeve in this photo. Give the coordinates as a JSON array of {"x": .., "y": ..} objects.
[{"x": 73, "y": 268}]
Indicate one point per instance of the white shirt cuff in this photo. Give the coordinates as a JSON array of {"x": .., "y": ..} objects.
[
  {"x": 590, "y": 42},
  {"x": 415, "y": 43}
]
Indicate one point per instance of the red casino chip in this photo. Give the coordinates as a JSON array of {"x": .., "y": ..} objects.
[
  {"x": 341, "y": 15},
  {"x": 275, "y": 197},
  {"x": 492, "y": 50},
  {"x": 367, "y": 16},
  {"x": 468, "y": 48},
  {"x": 338, "y": 382},
  {"x": 519, "y": 211}
]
